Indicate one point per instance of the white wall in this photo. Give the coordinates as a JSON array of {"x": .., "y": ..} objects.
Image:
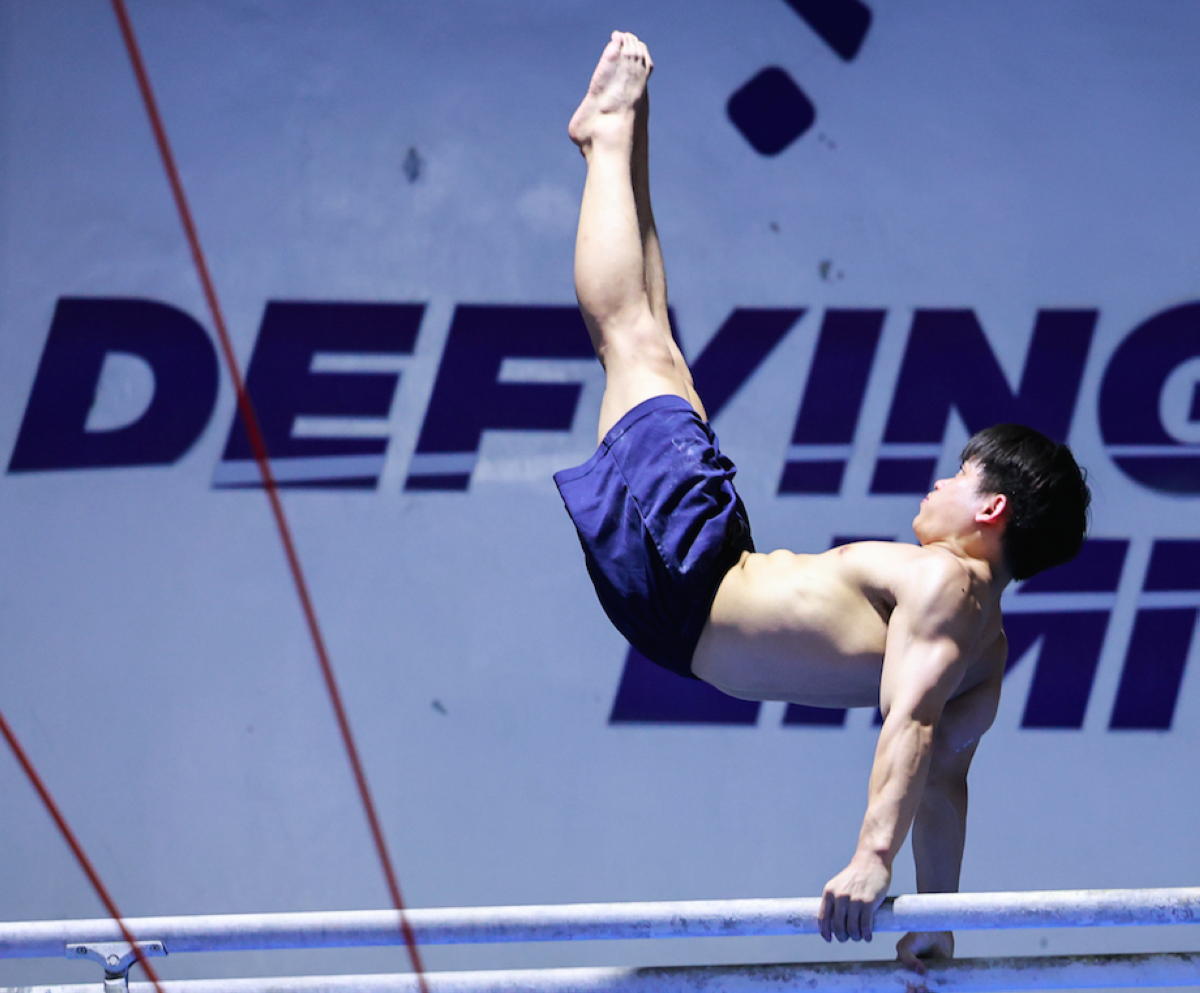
[{"x": 154, "y": 660}]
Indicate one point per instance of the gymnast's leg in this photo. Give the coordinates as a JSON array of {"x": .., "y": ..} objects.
[{"x": 619, "y": 275}]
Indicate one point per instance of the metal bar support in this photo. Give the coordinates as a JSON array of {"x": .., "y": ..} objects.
[{"x": 116, "y": 957}]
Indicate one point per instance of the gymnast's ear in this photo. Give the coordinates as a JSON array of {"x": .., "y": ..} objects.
[{"x": 994, "y": 509}]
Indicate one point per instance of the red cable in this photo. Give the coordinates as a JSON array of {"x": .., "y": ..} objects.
[
  {"x": 259, "y": 448},
  {"x": 69, "y": 836}
]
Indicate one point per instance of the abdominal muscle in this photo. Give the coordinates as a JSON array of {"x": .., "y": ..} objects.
[{"x": 800, "y": 628}]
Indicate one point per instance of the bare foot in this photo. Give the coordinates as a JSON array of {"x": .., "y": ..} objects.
[{"x": 617, "y": 86}]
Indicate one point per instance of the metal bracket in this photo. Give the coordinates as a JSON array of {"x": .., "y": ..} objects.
[{"x": 116, "y": 957}]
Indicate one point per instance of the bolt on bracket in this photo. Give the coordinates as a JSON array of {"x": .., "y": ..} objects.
[{"x": 116, "y": 957}]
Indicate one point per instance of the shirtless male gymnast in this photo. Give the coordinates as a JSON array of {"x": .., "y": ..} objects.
[{"x": 914, "y": 629}]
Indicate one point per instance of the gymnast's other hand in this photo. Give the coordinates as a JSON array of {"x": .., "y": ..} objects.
[
  {"x": 917, "y": 947},
  {"x": 915, "y": 951},
  {"x": 851, "y": 898}
]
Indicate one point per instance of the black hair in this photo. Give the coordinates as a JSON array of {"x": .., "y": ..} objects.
[{"x": 1048, "y": 495}]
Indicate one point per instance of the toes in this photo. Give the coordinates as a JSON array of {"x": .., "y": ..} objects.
[
  {"x": 636, "y": 49},
  {"x": 644, "y": 55}
]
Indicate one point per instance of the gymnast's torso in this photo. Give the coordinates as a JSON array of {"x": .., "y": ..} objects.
[{"x": 812, "y": 629}]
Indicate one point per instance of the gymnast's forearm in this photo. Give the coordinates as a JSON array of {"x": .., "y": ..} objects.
[
  {"x": 940, "y": 831},
  {"x": 897, "y": 778}
]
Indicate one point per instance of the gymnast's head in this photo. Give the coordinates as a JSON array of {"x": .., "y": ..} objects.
[{"x": 1046, "y": 492}]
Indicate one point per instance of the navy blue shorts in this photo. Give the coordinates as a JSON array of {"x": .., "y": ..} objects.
[{"x": 660, "y": 525}]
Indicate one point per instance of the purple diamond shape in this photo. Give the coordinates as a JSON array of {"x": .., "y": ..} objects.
[{"x": 771, "y": 111}]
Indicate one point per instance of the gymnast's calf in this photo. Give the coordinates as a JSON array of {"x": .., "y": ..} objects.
[{"x": 915, "y": 630}]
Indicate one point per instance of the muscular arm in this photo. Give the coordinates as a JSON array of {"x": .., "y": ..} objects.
[
  {"x": 939, "y": 830},
  {"x": 935, "y": 619},
  {"x": 940, "y": 827}
]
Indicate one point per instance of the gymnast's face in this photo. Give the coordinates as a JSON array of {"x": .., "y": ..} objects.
[{"x": 953, "y": 506}]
